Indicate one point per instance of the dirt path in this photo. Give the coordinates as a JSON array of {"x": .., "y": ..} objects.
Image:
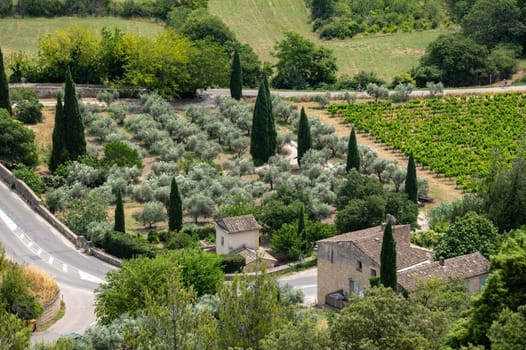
[{"x": 442, "y": 189}]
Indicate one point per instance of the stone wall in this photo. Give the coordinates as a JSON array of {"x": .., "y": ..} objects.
[
  {"x": 36, "y": 204},
  {"x": 50, "y": 310},
  {"x": 50, "y": 90},
  {"x": 338, "y": 264}
]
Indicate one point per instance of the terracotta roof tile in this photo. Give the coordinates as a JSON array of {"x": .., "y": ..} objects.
[
  {"x": 463, "y": 267},
  {"x": 239, "y": 224},
  {"x": 369, "y": 241}
]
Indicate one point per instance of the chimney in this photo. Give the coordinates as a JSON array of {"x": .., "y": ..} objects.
[{"x": 441, "y": 261}]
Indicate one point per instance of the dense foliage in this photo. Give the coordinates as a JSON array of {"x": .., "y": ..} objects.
[
  {"x": 5, "y": 101},
  {"x": 301, "y": 64},
  {"x": 344, "y": 19},
  {"x": 388, "y": 265},
  {"x": 17, "y": 143},
  {"x": 451, "y": 136}
]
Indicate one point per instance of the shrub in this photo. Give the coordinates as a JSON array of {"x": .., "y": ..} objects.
[
  {"x": 28, "y": 111},
  {"x": 180, "y": 240},
  {"x": 30, "y": 178},
  {"x": 125, "y": 246},
  {"x": 402, "y": 92},
  {"x": 122, "y": 154},
  {"x": 232, "y": 263}
]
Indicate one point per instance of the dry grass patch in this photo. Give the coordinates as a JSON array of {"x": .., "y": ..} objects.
[{"x": 42, "y": 286}]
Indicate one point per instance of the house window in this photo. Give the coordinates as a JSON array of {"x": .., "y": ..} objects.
[
  {"x": 222, "y": 241},
  {"x": 359, "y": 266},
  {"x": 373, "y": 273},
  {"x": 354, "y": 287},
  {"x": 482, "y": 281}
]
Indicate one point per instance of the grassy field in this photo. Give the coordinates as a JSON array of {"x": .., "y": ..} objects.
[
  {"x": 23, "y": 33},
  {"x": 260, "y": 23}
]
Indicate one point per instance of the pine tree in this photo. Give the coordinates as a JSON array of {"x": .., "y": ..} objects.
[
  {"x": 58, "y": 152},
  {"x": 119, "y": 225},
  {"x": 388, "y": 268},
  {"x": 175, "y": 208},
  {"x": 5, "y": 101},
  {"x": 304, "y": 135},
  {"x": 236, "y": 78},
  {"x": 259, "y": 136},
  {"x": 411, "y": 185},
  {"x": 353, "y": 153},
  {"x": 74, "y": 138}
]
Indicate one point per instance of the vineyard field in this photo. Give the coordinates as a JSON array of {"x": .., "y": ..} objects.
[{"x": 454, "y": 136}]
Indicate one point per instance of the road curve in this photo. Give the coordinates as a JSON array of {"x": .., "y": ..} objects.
[{"x": 29, "y": 239}]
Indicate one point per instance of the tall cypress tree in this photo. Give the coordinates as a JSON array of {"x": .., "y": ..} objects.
[
  {"x": 119, "y": 225},
  {"x": 175, "y": 208},
  {"x": 271, "y": 124},
  {"x": 302, "y": 233},
  {"x": 388, "y": 268},
  {"x": 259, "y": 134},
  {"x": 353, "y": 153},
  {"x": 236, "y": 78},
  {"x": 58, "y": 152},
  {"x": 411, "y": 185},
  {"x": 74, "y": 138},
  {"x": 304, "y": 135},
  {"x": 5, "y": 101}
]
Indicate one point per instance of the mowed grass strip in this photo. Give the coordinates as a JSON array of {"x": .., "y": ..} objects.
[
  {"x": 24, "y": 33},
  {"x": 261, "y": 23}
]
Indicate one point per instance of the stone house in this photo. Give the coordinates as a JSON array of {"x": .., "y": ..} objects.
[
  {"x": 346, "y": 263},
  {"x": 471, "y": 268},
  {"x": 234, "y": 233}
]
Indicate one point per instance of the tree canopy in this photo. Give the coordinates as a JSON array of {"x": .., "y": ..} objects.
[
  {"x": 301, "y": 64},
  {"x": 17, "y": 143}
]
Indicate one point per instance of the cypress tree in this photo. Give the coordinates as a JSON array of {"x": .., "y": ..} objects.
[
  {"x": 74, "y": 139},
  {"x": 175, "y": 208},
  {"x": 302, "y": 233},
  {"x": 5, "y": 101},
  {"x": 353, "y": 153},
  {"x": 58, "y": 153},
  {"x": 271, "y": 125},
  {"x": 388, "y": 268},
  {"x": 304, "y": 135},
  {"x": 411, "y": 185},
  {"x": 119, "y": 225},
  {"x": 236, "y": 78},
  {"x": 259, "y": 135}
]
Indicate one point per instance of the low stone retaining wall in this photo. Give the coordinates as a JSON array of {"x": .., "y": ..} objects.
[
  {"x": 50, "y": 90},
  {"x": 51, "y": 309},
  {"x": 36, "y": 204}
]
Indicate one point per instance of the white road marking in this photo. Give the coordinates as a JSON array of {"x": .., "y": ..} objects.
[
  {"x": 65, "y": 268},
  {"x": 50, "y": 260},
  {"x": 10, "y": 223},
  {"x": 30, "y": 244},
  {"x": 39, "y": 251},
  {"x": 88, "y": 277}
]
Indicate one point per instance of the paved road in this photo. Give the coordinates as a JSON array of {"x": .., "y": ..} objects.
[
  {"x": 416, "y": 93},
  {"x": 306, "y": 281},
  {"x": 29, "y": 239}
]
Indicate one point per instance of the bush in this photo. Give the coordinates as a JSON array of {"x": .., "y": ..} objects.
[
  {"x": 180, "y": 240},
  {"x": 151, "y": 213},
  {"x": 125, "y": 246},
  {"x": 122, "y": 154},
  {"x": 30, "y": 178},
  {"x": 28, "y": 112},
  {"x": 232, "y": 263}
]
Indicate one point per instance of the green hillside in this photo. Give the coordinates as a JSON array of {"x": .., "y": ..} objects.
[
  {"x": 23, "y": 33},
  {"x": 260, "y": 23}
]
